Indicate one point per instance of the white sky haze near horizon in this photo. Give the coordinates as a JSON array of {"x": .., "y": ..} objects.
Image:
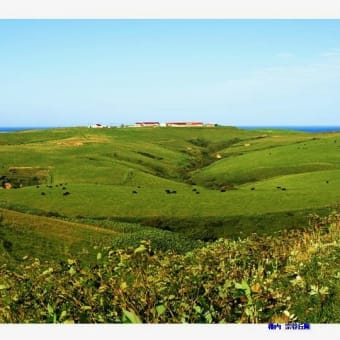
[{"x": 231, "y": 71}]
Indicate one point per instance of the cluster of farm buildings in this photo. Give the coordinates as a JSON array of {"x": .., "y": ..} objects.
[{"x": 157, "y": 124}]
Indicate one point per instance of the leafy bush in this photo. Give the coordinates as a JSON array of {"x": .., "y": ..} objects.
[
  {"x": 291, "y": 276},
  {"x": 201, "y": 142},
  {"x": 160, "y": 239}
]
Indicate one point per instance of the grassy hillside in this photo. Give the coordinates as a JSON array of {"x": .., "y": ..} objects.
[
  {"x": 115, "y": 225},
  {"x": 46, "y": 238},
  {"x": 25, "y": 235},
  {"x": 201, "y": 183},
  {"x": 262, "y": 160},
  {"x": 283, "y": 278}
]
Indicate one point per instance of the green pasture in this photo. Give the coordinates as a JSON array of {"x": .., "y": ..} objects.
[
  {"x": 90, "y": 200},
  {"x": 98, "y": 216},
  {"x": 272, "y": 179},
  {"x": 207, "y": 215},
  {"x": 249, "y": 165}
]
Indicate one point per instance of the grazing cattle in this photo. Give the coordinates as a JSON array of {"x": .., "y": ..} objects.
[
  {"x": 327, "y": 182},
  {"x": 284, "y": 189},
  {"x": 134, "y": 192},
  {"x": 278, "y": 187},
  {"x": 139, "y": 187},
  {"x": 252, "y": 188},
  {"x": 222, "y": 190},
  {"x": 43, "y": 194},
  {"x": 64, "y": 188},
  {"x": 66, "y": 193},
  {"x": 194, "y": 189},
  {"x": 170, "y": 192},
  {"x": 37, "y": 186},
  {"x": 197, "y": 192}
]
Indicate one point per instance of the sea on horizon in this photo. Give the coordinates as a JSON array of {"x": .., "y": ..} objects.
[
  {"x": 315, "y": 129},
  {"x": 4, "y": 129},
  {"x": 311, "y": 128}
]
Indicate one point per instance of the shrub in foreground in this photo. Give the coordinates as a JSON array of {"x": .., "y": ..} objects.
[{"x": 290, "y": 276}]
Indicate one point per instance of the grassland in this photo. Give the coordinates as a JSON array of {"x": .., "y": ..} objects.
[
  {"x": 202, "y": 183},
  {"x": 80, "y": 193}
]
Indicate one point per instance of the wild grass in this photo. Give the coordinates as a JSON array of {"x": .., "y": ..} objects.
[
  {"x": 287, "y": 277},
  {"x": 49, "y": 238}
]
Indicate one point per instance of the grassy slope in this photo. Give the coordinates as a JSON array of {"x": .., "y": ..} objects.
[
  {"x": 103, "y": 167},
  {"x": 267, "y": 159},
  {"x": 294, "y": 271},
  {"x": 48, "y": 238},
  {"x": 307, "y": 190}
]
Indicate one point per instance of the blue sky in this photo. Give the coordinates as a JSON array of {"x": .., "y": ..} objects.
[{"x": 232, "y": 72}]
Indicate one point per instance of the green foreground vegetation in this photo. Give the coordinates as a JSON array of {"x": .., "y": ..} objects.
[
  {"x": 206, "y": 203},
  {"x": 289, "y": 277}
]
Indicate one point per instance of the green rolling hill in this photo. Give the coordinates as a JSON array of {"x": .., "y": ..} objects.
[{"x": 187, "y": 184}]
